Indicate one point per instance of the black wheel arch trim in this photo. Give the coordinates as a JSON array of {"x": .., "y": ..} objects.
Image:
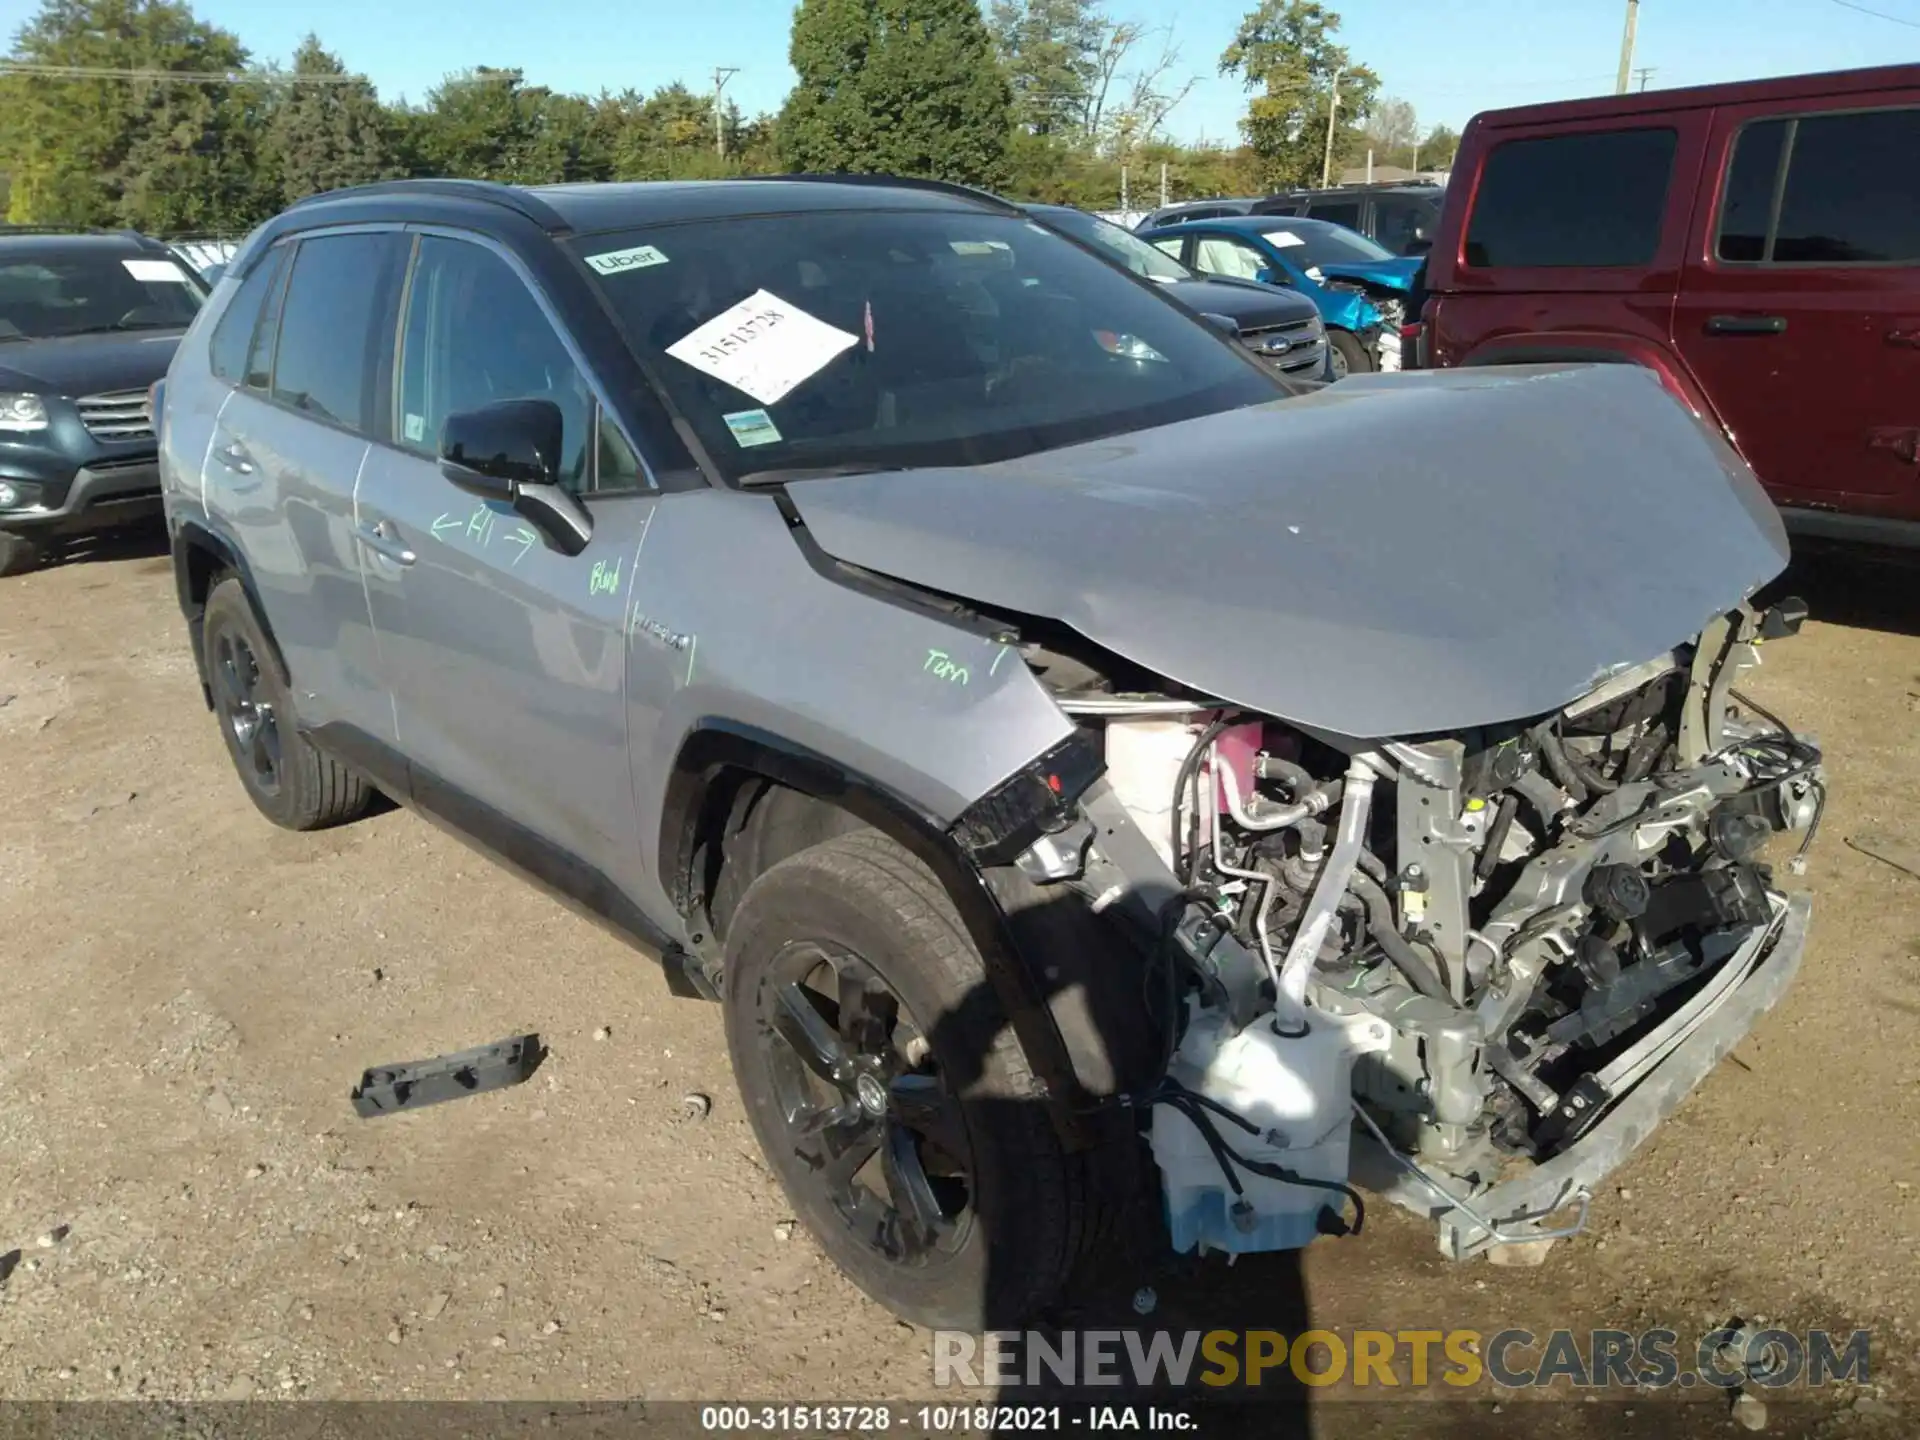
[
  {"x": 190, "y": 536},
  {"x": 1062, "y": 1050}
]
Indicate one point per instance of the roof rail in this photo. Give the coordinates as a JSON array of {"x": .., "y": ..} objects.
[
  {"x": 491, "y": 192},
  {"x": 898, "y": 182}
]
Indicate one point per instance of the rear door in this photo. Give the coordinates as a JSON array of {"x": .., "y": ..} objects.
[
  {"x": 505, "y": 658},
  {"x": 1800, "y": 307},
  {"x": 286, "y": 453}
]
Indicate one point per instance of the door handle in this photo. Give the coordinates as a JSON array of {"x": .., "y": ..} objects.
[
  {"x": 235, "y": 457},
  {"x": 383, "y": 539},
  {"x": 1746, "y": 325},
  {"x": 1904, "y": 337}
]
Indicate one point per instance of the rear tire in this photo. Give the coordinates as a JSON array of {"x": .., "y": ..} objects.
[
  {"x": 292, "y": 783},
  {"x": 1350, "y": 357},
  {"x": 901, "y": 1011},
  {"x": 18, "y": 553}
]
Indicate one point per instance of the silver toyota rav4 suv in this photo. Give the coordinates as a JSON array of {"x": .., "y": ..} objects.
[{"x": 1081, "y": 767}]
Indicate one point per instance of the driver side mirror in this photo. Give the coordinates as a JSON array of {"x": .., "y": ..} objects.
[{"x": 510, "y": 451}]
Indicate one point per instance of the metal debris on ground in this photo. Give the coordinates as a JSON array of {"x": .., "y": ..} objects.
[
  {"x": 413, "y": 1084},
  {"x": 696, "y": 1105},
  {"x": 1904, "y": 858}
]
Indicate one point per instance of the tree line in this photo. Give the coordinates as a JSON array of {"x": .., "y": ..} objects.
[{"x": 139, "y": 113}]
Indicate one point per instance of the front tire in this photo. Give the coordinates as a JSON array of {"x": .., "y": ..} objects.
[
  {"x": 18, "y": 553},
  {"x": 889, "y": 1094},
  {"x": 1350, "y": 357},
  {"x": 290, "y": 782}
]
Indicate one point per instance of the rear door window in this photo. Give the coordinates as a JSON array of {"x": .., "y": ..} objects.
[
  {"x": 1338, "y": 212},
  {"x": 1399, "y": 223},
  {"x": 1588, "y": 199},
  {"x": 327, "y": 359},
  {"x": 233, "y": 336},
  {"x": 1850, "y": 194}
]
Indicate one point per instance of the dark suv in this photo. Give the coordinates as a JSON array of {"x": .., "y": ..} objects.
[
  {"x": 1403, "y": 218},
  {"x": 1756, "y": 246},
  {"x": 87, "y": 324}
]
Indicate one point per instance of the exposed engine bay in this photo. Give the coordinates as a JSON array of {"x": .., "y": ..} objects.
[{"x": 1428, "y": 964}]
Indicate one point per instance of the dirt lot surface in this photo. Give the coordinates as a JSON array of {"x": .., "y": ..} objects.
[{"x": 189, "y": 994}]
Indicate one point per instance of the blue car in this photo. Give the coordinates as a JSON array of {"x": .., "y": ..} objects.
[{"x": 1360, "y": 287}]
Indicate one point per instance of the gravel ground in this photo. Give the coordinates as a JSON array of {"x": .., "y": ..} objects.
[{"x": 190, "y": 994}]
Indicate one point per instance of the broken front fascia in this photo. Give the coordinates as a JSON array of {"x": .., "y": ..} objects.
[{"x": 1439, "y": 1043}]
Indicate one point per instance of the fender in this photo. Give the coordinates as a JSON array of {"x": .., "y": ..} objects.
[
  {"x": 198, "y": 555},
  {"x": 1076, "y": 1050}
]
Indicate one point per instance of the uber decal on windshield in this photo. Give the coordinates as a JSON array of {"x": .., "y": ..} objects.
[
  {"x": 612, "y": 262},
  {"x": 763, "y": 346}
]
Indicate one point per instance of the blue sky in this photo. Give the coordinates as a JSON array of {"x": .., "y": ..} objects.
[{"x": 1449, "y": 57}]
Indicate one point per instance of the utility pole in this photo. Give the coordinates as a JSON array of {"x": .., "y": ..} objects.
[
  {"x": 1333, "y": 109},
  {"x": 1645, "y": 72},
  {"x": 721, "y": 74},
  {"x": 1124, "y": 210},
  {"x": 1163, "y": 184},
  {"x": 1626, "y": 47},
  {"x": 1415, "y": 167}
]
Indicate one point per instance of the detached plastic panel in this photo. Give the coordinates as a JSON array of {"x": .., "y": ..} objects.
[{"x": 415, "y": 1084}]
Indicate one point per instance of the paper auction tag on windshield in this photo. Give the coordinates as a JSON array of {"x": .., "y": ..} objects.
[
  {"x": 148, "y": 271},
  {"x": 763, "y": 346},
  {"x": 1282, "y": 239}
]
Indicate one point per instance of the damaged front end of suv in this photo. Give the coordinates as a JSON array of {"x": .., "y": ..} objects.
[{"x": 1430, "y": 795}]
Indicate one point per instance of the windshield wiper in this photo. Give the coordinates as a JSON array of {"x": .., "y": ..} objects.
[
  {"x": 766, "y": 479},
  {"x": 117, "y": 328}
]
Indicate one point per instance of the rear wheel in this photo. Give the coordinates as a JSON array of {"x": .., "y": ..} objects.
[
  {"x": 18, "y": 553},
  {"x": 1350, "y": 357},
  {"x": 290, "y": 781},
  {"x": 884, "y": 1086}
]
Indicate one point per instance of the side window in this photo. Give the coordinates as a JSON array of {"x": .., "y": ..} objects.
[
  {"x": 1398, "y": 223},
  {"x": 1595, "y": 198},
  {"x": 1171, "y": 247},
  {"x": 233, "y": 336},
  {"x": 1338, "y": 212},
  {"x": 1851, "y": 197},
  {"x": 1746, "y": 209},
  {"x": 327, "y": 357},
  {"x": 474, "y": 334},
  {"x": 1219, "y": 255}
]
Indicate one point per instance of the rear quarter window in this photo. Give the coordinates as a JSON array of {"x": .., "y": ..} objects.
[
  {"x": 1591, "y": 199},
  {"x": 233, "y": 335}
]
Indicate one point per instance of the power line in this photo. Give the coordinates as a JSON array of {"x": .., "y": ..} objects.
[
  {"x": 1878, "y": 14},
  {"x": 224, "y": 77}
]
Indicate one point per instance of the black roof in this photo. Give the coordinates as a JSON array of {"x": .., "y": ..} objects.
[{"x": 583, "y": 209}]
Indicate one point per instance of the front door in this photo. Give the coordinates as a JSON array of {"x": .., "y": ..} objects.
[
  {"x": 1802, "y": 321},
  {"x": 505, "y": 658}
]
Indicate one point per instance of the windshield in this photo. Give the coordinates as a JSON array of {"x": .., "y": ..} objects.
[
  {"x": 1323, "y": 244},
  {"x": 49, "y": 293},
  {"x": 886, "y": 339},
  {"x": 1126, "y": 247}
]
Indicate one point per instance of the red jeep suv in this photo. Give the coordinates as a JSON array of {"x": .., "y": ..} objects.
[{"x": 1755, "y": 245}]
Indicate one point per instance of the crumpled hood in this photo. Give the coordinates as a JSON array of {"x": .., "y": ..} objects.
[
  {"x": 1390, "y": 555},
  {"x": 1394, "y": 274},
  {"x": 88, "y": 364}
]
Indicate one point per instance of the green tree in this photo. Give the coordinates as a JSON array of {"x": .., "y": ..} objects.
[
  {"x": 99, "y": 151},
  {"x": 1050, "y": 49},
  {"x": 1438, "y": 148},
  {"x": 1285, "y": 53},
  {"x": 909, "y": 87},
  {"x": 328, "y": 130}
]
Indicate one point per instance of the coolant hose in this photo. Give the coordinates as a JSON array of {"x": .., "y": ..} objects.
[
  {"x": 1420, "y": 973},
  {"x": 1355, "y": 803}
]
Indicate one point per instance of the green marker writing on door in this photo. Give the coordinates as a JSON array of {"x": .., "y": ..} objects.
[{"x": 604, "y": 579}]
